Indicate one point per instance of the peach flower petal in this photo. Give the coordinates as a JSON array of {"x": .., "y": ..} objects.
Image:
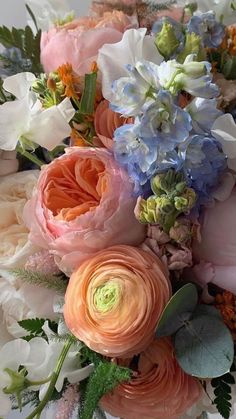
[
  {"x": 106, "y": 122},
  {"x": 114, "y": 300},
  {"x": 78, "y": 42},
  {"x": 160, "y": 389},
  {"x": 83, "y": 203}
]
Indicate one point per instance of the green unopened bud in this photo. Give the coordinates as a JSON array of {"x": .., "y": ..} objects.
[
  {"x": 180, "y": 187},
  {"x": 181, "y": 204},
  {"x": 145, "y": 210},
  {"x": 166, "y": 41},
  {"x": 164, "y": 205},
  {"x": 185, "y": 202},
  {"x": 156, "y": 184},
  {"x": 193, "y": 45}
]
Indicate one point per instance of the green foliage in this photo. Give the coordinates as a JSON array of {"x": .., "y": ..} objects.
[
  {"x": 179, "y": 309},
  {"x": 89, "y": 94},
  {"x": 54, "y": 282},
  {"x": 26, "y": 42},
  {"x": 105, "y": 377},
  {"x": 222, "y": 391},
  {"x": 35, "y": 328},
  {"x": 229, "y": 68}
]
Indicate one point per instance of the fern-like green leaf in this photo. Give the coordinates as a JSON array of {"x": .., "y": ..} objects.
[
  {"x": 34, "y": 327},
  {"x": 105, "y": 377},
  {"x": 222, "y": 391},
  {"x": 54, "y": 282}
]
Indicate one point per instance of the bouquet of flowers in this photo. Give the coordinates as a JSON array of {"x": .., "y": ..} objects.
[{"x": 118, "y": 210}]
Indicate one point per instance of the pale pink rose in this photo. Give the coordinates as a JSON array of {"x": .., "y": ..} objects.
[
  {"x": 78, "y": 42},
  {"x": 216, "y": 252},
  {"x": 106, "y": 122},
  {"x": 83, "y": 203}
]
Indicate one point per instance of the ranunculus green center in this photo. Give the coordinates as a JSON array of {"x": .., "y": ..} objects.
[{"x": 107, "y": 296}]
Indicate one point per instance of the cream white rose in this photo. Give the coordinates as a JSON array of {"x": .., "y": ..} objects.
[{"x": 15, "y": 191}]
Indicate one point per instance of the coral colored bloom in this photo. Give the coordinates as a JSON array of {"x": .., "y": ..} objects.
[
  {"x": 106, "y": 122},
  {"x": 78, "y": 42},
  {"x": 114, "y": 300},
  {"x": 160, "y": 389},
  {"x": 83, "y": 203}
]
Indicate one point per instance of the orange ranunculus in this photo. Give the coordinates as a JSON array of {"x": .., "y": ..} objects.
[
  {"x": 106, "y": 122},
  {"x": 115, "y": 299},
  {"x": 159, "y": 390}
]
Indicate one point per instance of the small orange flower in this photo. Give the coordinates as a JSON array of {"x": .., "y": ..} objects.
[
  {"x": 69, "y": 80},
  {"x": 232, "y": 39},
  {"x": 226, "y": 303},
  {"x": 77, "y": 139}
]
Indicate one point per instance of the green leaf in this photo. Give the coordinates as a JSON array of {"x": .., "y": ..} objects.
[
  {"x": 223, "y": 392},
  {"x": 178, "y": 310},
  {"x": 229, "y": 69},
  {"x": 89, "y": 94},
  {"x": 104, "y": 379},
  {"x": 33, "y": 326},
  {"x": 204, "y": 347},
  {"x": 205, "y": 310},
  {"x": 32, "y": 16}
]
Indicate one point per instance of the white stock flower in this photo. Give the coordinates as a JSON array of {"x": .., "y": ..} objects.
[
  {"x": 25, "y": 117},
  {"x": 113, "y": 58},
  {"x": 224, "y": 130},
  {"x": 15, "y": 191},
  {"x": 48, "y": 12}
]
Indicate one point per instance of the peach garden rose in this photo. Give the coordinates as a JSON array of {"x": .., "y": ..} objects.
[
  {"x": 83, "y": 203},
  {"x": 115, "y": 299},
  {"x": 160, "y": 389}
]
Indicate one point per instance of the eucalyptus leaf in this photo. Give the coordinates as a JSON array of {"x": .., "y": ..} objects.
[
  {"x": 205, "y": 310},
  {"x": 204, "y": 347},
  {"x": 178, "y": 310}
]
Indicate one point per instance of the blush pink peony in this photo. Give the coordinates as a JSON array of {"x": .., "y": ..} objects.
[
  {"x": 83, "y": 203},
  {"x": 78, "y": 42},
  {"x": 216, "y": 252}
]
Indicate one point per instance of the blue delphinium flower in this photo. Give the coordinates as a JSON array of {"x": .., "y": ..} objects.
[
  {"x": 164, "y": 123},
  {"x": 204, "y": 164},
  {"x": 133, "y": 92},
  {"x": 206, "y": 26},
  {"x": 203, "y": 112},
  {"x": 132, "y": 152}
]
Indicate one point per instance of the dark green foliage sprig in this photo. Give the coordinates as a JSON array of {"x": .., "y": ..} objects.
[
  {"x": 26, "y": 43},
  {"x": 35, "y": 328},
  {"x": 105, "y": 377},
  {"x": 223, "y": 394}
]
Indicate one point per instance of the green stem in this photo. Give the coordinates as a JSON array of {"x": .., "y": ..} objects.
[
  {"x": 54, "y": 379},
  {"x": 40, "y": 383},
  {"x": 32, "y": 158}
]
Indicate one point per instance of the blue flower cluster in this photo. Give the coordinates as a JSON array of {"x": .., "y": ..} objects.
[{"x": 166, "y": 135}]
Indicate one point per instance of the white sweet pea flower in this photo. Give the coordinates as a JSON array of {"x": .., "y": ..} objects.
[
  {"x": 224, "y": 130},
  {"x": 43, "y": 359},
  {"x": 48, "y": 12},
  {"x": 12, "y": 355},
  {"x": 203, "y": 112},
  {"x": 25, "y": 118},
  {"x": 113, "y": 59}
]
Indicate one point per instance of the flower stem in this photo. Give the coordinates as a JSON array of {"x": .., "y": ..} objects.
[
  {"x": 40, "y": 383},
  {"x": 32, "y": 158},
  {"x": 54, "y": 379}
]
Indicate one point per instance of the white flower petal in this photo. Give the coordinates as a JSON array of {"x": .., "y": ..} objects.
[
  {"x": 14, "y": 353},
  {"x": 80, "y": 374},
  {"x": 14, "y": 121},
  {"x": 19, "y": 84},
  {"x": 5, "y": 404},
  {"x": 48, "y": 11},
  {"x": 224, "y": 130},
  {"x": 49, "y": 127},
  {"x": 113, "y": 58}
]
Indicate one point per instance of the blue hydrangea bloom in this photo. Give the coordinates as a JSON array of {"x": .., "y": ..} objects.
[
  {"x": 206, "y": 26},
  {"x": 164, "y": 123},
  {"x": 204, "y": 164}
]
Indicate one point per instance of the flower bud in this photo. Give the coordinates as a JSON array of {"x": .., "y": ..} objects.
[
  {"x": 18, "y": 383},
  {"x": 166, "y": 41}
]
